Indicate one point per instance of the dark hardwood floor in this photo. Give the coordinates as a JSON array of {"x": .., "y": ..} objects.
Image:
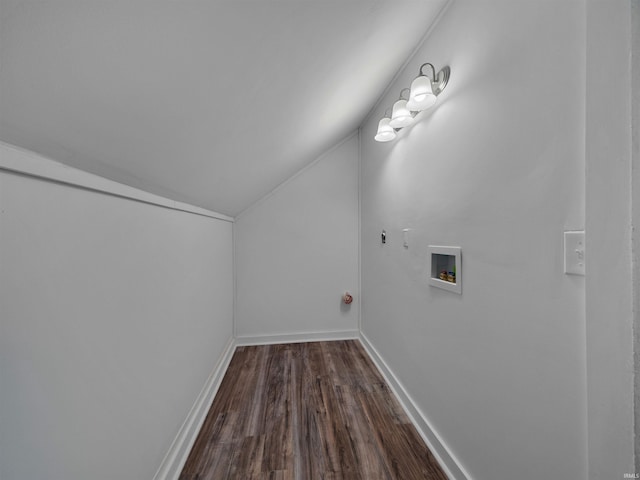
[{"x": 307, "y": 411}]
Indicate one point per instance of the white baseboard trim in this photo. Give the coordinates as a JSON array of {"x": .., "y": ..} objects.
[
  {"x": 446, "y": 459},
  {"x": 179, "y": 451},
  {"x": 297, "y": 337}
]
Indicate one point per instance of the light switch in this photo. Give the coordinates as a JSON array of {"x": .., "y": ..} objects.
[
  {"x": 574, "y": 253},
  {"x": 405, "y": 237}
]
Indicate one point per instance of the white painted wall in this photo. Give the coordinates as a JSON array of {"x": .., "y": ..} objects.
[
  {"x": 635, "y": 191},
  {"x": 609, "y": 318},
  {"x": 497, "y": 168},
  {"x": 113, "y": 314},
  {"x": 297, "y": 252}
]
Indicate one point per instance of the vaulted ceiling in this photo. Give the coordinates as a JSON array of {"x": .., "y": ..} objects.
[{"x": 212, "y": 102}]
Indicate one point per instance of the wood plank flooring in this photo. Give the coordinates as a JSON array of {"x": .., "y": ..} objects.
[{"x": 307, "y": 411}]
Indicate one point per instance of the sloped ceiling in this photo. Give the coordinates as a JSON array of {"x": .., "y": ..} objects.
[{"x": 213, "y": 103}]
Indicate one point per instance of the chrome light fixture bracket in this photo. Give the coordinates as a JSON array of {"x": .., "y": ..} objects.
[{"x": 439, "y": 80}]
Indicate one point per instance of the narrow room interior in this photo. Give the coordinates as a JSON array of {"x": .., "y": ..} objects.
[{"x": 223, "y": 223}]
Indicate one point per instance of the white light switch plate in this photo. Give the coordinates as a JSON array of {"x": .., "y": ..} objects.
[
  {"x": 405, "y": 237},
  {"x": 574, "y": 253}
]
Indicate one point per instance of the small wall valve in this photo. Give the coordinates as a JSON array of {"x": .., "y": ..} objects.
[{"x": 574, "y": 253}]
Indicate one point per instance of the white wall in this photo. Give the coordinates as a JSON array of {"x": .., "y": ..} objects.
[
  {"x": 635, "y": 154},
  {"x": 297, "y": 252},
  {"x": 113, "y": 314},
  {"x": 497, "y": 168},
  {"x": 609, "y": 314}
]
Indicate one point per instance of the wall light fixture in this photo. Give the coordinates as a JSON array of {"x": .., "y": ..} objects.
[
  {"x": 385, "y": 133},
  {"x": 422, "y": 95},
  {"x": 400, "y": 115}
]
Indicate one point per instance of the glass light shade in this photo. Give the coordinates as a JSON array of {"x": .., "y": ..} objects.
[
  {"x": 421, "y": 96},
  {"x": 400, "y": 115},
  {"x": 385, "y": 131}
]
